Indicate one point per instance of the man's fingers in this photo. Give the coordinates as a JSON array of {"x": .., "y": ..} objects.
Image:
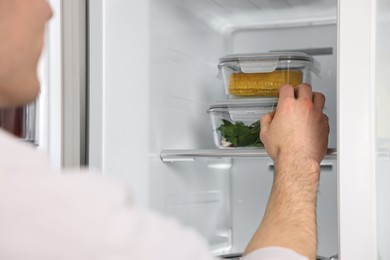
[
  {"x": 286, "y": 91},
  {"x": 303, "y": 91},
  {"x": 325, "y": 117},
  {"x": 318, "y": 100},
  {"x": 326, "y": 121},
  {"x": 265, "y": 122}
]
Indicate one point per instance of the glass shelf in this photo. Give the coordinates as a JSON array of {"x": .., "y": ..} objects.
[{"x": 192, "y": 154}]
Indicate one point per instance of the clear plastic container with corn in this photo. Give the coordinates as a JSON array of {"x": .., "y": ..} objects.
[{"x": 261, "y": 74}]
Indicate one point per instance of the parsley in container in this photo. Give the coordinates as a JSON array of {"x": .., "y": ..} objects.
[
  {"x": 236, "y": 124},
  {"x": 261, "y": 74}
]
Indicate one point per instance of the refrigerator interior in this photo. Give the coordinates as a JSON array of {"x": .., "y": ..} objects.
[{"x": 225, "y": 198}]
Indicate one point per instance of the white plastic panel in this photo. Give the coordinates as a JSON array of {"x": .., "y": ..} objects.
[
  {"x": 184, "y": 83},
  {"x": 383, "y": 208},
  {"x": 227, "y": 15},
  {"x": 198, "y": 194},
  {"x": 50, "y": 100},
  {"x": 251, "y": 184},
  {"x": 382, "y": 75},
  {"x": 252, "y": 181},
  {"x": 119, "y": 111},
  {"x": 184, "y": 56},
  {"x": 356, "y": 143}
]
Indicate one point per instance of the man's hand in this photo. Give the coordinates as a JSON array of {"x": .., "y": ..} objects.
[{"x": 298, "y": 128}]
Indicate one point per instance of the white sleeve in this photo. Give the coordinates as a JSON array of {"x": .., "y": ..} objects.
[
  {"x": 274, "y": 253},
  {"x": 153, "y": 237},
  {"x": 82, "y": 217}
]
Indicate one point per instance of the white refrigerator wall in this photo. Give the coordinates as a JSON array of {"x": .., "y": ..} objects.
[
  {"x": 184, "y": 53},
  {"x": 184, "y": 82},
  {"x": 153, "y": 76}
]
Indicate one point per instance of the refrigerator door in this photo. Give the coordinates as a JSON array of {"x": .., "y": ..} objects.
[
  {"x": 61, "y": 106},
  {"x": 363, "y": 129},
  {"x": 119, "y": 92}
]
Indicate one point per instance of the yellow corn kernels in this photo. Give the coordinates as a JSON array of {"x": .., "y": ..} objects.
[{"x": 262, "y": 84}]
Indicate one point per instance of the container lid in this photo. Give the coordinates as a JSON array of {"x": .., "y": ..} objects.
[
  {"x": 267, "y": 61},
  {"x": 267, "y": 56},
  {"x": 244, "y": 103},
  {"x": 245, "y": 109}
]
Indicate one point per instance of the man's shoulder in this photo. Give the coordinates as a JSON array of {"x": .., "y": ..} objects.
[{"x": 18, "y": 156}]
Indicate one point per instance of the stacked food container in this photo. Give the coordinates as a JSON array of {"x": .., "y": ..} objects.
[{"x": 251, "y": 83}]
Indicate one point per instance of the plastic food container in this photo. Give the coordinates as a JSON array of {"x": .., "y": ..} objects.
[
  {"x": 236, "y": 123},
  {"x": 261, "y": 74}
]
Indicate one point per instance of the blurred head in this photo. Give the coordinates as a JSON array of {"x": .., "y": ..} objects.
[{"x": 22, "y": 26}]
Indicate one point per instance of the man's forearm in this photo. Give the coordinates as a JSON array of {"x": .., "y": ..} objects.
[{"x": 290, "y": 218}]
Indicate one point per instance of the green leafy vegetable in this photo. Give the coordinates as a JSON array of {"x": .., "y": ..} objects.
[{"x": 240, "y": 135}]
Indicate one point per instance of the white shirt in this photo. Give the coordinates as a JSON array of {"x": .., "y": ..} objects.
[{"x": 48, "y": 215}]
